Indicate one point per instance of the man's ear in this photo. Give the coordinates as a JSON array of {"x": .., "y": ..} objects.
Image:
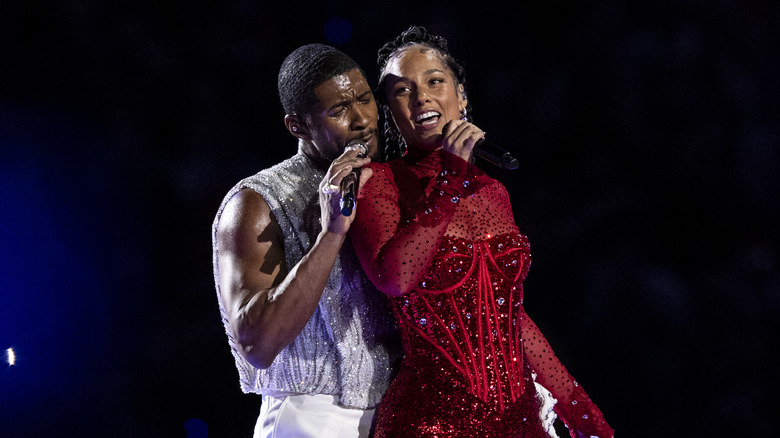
[{"x": 296, "y": 126}]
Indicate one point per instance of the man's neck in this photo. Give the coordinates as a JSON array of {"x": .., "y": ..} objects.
[{"x": 307, "y": 148}]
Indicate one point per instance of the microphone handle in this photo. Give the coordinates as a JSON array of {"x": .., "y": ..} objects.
[
  {"x": 349, "y": 192},
  {"x": 495, "y": 155},
  {"x": 349, "y": 185}
]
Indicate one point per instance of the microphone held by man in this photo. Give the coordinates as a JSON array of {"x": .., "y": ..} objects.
[{"x": 349, "y": 185}]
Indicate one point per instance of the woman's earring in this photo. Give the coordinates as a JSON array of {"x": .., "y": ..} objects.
[
  {"x": 464, "y": 115},
  {"x": 402, "y": 147},
  {"x": 393, "y": 135}
]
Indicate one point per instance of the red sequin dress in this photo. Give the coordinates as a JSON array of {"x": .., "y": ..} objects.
[{"x": 443, "y": 231}]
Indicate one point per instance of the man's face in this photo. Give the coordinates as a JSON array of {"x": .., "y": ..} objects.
[{"x": 346, "y": 111}]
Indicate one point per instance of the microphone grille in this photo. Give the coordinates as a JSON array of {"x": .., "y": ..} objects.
[{"x": 358, "y": 144}]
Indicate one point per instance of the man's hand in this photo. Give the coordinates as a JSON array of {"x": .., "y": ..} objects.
[{"x": 330, "y": 196}]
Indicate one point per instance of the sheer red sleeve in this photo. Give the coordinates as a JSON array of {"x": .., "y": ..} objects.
[
  {"x": 574, "y": 406},
  {"x": 401, "y": 218}
]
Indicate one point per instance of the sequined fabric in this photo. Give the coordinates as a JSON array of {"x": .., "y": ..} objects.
[
  {"x": 348, "y": 346},
  {"x": 443, "y": 230}
]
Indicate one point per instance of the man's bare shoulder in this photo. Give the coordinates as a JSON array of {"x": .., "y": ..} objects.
[{"x": 247, "y": 215}]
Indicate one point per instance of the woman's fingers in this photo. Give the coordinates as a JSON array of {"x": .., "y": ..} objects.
[{"x": 460, "y": 137}]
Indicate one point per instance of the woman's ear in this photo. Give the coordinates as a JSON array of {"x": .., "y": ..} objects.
[
  {"x": 463, "y": 99},
  {"x": 296, "y": 126}
]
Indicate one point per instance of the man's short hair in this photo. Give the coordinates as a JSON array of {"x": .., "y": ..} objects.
[{"x": 306, "y": 68}]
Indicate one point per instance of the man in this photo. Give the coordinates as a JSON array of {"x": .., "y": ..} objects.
[{"x": 307, "y": 329}]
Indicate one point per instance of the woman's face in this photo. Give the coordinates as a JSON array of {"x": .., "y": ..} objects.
[{"x": 423, "y": 95}]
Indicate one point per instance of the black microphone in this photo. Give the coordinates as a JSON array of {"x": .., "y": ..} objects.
[
  {"x": 494, "y": 154},
  {"x": 349, "y": 185}
]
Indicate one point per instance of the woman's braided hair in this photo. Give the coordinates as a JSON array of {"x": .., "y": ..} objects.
[{"x": 411, "y": 36}]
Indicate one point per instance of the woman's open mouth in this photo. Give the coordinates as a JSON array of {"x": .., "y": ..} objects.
[{"x": 427, "y": 118}]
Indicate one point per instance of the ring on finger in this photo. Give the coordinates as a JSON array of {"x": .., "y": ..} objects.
[{"x": 329, "y": 189}]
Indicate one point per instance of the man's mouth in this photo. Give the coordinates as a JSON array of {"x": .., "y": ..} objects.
[
  {"x": 427, "y": 118},
  {"x": 365, "y": 139}
]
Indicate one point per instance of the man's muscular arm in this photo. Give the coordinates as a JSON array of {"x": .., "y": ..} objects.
[{"x": 268, "y": 305}]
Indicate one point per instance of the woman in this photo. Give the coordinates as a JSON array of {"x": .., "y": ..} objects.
[{"x": 437, "y": 235}]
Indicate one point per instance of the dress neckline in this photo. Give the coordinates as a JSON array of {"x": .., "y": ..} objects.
[
  {"x": 431, "y": 164},
  {"x": 425, "y": 165}
]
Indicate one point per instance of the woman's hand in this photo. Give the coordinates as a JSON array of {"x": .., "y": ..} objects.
[{"x": 459, "y": 138}]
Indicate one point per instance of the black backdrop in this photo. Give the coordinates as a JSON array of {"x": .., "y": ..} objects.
[{"x": 648, "y": 140}]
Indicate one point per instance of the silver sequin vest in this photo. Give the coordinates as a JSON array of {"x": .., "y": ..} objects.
[{"x": 346, "y": 348}]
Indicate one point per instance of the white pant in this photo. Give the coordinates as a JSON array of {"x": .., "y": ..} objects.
[{"x": 310, "y": 416}]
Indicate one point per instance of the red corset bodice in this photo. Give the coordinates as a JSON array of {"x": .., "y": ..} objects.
[{"x": 464, "y": 317}]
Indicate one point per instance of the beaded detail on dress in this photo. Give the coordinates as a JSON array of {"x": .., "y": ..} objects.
[{"x": 468, "y": 307}]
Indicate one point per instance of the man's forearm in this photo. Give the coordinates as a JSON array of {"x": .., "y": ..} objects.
[{"x": 271, "y": 319}]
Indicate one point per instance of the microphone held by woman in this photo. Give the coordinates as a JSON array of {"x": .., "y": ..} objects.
[{"x": 495, "y": 155}]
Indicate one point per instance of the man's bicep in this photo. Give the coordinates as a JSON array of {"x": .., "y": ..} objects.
[{"x": 251, "y": 249}]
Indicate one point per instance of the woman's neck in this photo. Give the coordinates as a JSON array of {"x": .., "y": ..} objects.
[{"x": 416, "y": 154}]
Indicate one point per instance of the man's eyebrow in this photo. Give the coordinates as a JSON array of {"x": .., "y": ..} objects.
[{"x": 345, "y": 101}]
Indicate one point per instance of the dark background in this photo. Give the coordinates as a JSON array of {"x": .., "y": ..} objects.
[{"x": 648, "y": 136}]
